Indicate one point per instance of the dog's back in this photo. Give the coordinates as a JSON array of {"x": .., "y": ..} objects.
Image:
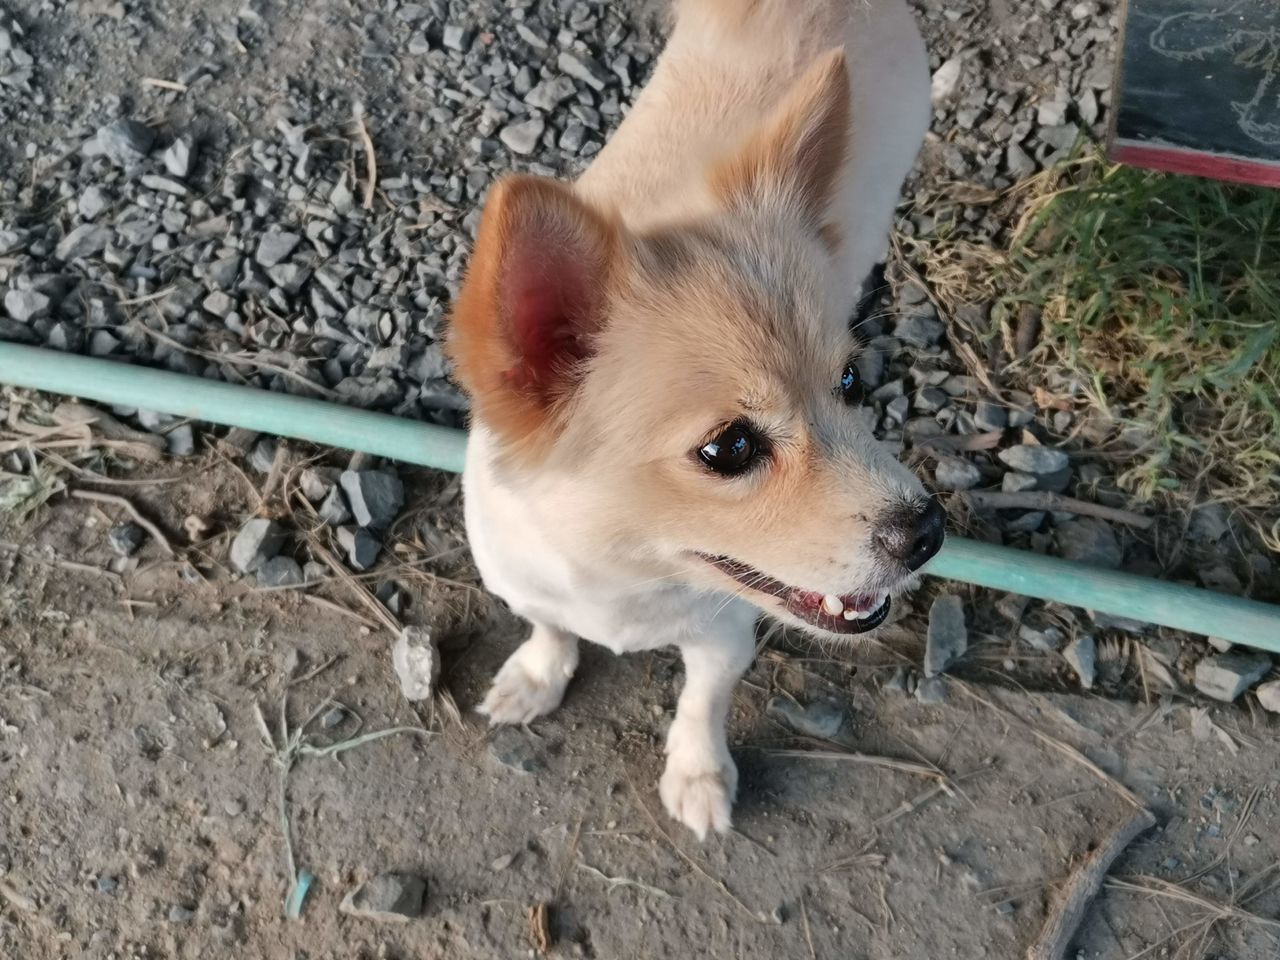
[{"x": 728, "y": 62}]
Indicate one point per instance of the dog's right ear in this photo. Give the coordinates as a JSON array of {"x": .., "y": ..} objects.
[
  {"x": 795, "y": 156},
  {"x": 534, "y": 297}
]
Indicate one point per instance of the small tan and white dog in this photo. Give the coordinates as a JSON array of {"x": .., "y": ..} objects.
[{"x": 659, "y": 361}]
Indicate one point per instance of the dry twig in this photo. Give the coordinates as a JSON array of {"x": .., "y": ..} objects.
[
  {"x": 1211, "y": 913},
  {"x": 961, "y": 443},
  {"x": 1044, "y": 500},
  {"x": 540, "y": 927},
  {"x": 808, "y": 934},
  {"x": 381, "y": 613},
  {"x": 370, "y": 159},
  {"x": 618, "y": 882},
  {"x": 149, "y": 447},
  {"x": 1081, "y": 887},
  {"x": 165, "y": 84},
  {"x": 129, "y": 508},
  {"x": 18, "y": 901},
  {"x": 57, "y": 561},
  {"x": 339, "y": 609}
]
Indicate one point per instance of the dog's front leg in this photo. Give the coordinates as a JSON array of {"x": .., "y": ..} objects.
[
  {"x": 700, "y": 779},
  {"x": 532, "y": 681}
]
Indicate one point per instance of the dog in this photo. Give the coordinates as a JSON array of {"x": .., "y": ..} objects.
[{"x": 662, "y": 376}]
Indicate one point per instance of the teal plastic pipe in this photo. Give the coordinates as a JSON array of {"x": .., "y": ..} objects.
[
  {"x": 282, "y": 414},
  {"x": 1246, "y": 622}
]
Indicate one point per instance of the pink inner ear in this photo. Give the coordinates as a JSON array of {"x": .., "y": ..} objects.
[{"x": 551, "y": 317}]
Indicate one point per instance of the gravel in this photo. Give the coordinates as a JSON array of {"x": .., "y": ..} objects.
[
  {"x": 1015, "y": 482},
  {"x": 1225, "y": 676},
  {"x": 990, "y": 416},
  {"x": 389, "y": 898},
  {"x": 92, "y": 202},
  {"x": 316, "y": 482},
  {"x": 1036, "y": 460},
  {"x": 931, "y": 690},
  {"x": 263, "y": 454},
  {"x": 280, "y": 572},
  {"x": 177, "y": 159},
  {"x": 1269, "y": 696},
  {"x": 124, "y": 142},
  {"x": 1090, "y": 541},
  {"x": 920, "y": 329},
  {"x": 26, "y": 305},
  {"x": 416, "y": 662},
  {"x": 585, "y": 69},
  {"x": 947, "y": 637},
  {"x": 275, "y": 247},
  {"x": 180, "y": 441},
  {"x": 333, "y": 509},
  {"x": 257, "y": 542},
  {"x": 1048, "y": 640},
  {"x": 946, "y": 79},
  {"x": 549, "y": 94},
  {"x": 512, "y": 748},
  {"x": 375, "y": 496},
  {"x": 1082, "y": 656},
  {"x": 86, "y": 240},
  {"x": 953, "y": 473},
  {"x": 126, "y": 539},
  {"x": 360, "y": 546},
  {"x": 1209, "y": 523},
  {"x": 523, "y": 138}
]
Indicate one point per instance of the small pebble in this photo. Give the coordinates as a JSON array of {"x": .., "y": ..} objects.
[
  {"x": 126, "y": 538},
  {"x": 947, "y": 637},
  {"x": 1082, "y": 655},
  {"x": 390, "y": 898}
]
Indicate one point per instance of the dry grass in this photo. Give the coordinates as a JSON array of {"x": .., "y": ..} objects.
[
  {"x": 1203, "y": 916},
  {"x": 1159, "y": 299}
]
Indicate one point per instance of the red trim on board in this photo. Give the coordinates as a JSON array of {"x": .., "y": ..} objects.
[{"x": 1260, "y": 173}]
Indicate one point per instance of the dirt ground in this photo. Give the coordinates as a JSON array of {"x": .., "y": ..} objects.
[{"x": 141, "y": 816}]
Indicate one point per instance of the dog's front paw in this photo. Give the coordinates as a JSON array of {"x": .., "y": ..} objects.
[
  {"x": 532, "y": 681},
  {"x": 698, "y": 788}
]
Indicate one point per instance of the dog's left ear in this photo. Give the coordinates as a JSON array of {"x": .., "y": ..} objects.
[
  {"x": 795, "y": 157},
  {"x": 525, "y": 321}
]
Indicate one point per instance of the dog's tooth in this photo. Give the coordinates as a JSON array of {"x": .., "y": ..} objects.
[
  {"x": 832, "y": 605},
  {"x": 851, "y": 614}
]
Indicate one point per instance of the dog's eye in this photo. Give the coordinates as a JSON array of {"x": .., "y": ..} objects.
[
  {"x": 732, "y": 450},
  {"x": 851, "y": 389}
]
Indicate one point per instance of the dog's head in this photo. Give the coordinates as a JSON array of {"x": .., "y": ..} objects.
[{"x": 693, "y": 387}]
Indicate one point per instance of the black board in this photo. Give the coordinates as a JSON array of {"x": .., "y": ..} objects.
[{"x": 1198, "y": 88}]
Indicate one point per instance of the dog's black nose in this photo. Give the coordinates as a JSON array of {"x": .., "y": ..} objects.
[{"x": 913, "y": 532}]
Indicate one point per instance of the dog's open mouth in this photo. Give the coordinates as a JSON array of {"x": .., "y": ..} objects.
[{"x": 848, "y": 614}]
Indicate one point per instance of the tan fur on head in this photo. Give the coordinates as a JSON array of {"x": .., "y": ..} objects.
[
  {"x": 538, "y": 231},
  {"x": 717, "y": 323}
]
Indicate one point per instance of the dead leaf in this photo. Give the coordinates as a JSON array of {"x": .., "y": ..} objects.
[{"x": 1203, "y": 728}]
